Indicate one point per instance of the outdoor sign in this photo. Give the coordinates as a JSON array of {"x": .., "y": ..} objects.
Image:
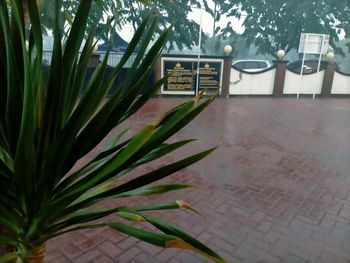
[
  {"x": 313, "y": 43},
  {"x": 183, "y": 75},
  {"x": 310, "y": 43},
  {"x": 209, "y": 75}
]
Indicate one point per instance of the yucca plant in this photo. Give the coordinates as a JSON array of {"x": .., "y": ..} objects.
[{"x": 47, "y": 126}]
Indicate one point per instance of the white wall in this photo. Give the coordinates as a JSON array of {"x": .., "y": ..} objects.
[
  {"x": 305, "y": 84},
  {"x": 341, "y": 84},
  {"x": 252, "y": 84}
]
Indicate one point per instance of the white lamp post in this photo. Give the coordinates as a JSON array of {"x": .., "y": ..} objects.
[
  {"x": 228, "y": 49},
  {"x": 329, "y": 55},
  {"x": 280, "y": 54}
]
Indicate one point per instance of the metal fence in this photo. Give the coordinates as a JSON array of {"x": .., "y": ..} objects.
[{"x": 113, "y": 58}]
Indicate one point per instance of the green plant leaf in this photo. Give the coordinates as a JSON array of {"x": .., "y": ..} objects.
[
  {"x": 95, "y": 191},
  {"x": 106, "y": 154},
  {"x": 99, "y": 176},
  {"x": 51, "y": 117},
  {"x": 160, "y": 151},
  {"x": 143, "y": 180},
  {"x": 13, "y": 110},
  {"x": 9, "y": 224},
  {"x": 113, "y": 142},
  {"x": 81, "y": 70},
  {"x": 130, "y": 216},
  {"x": 50, "y": 127},
  {"x": 114, "y": 111},
  {"x": 149, "y": 237},
  {"x": 181, "y": 240},
  {"x": 81, "y": 217},
  {"x": 176, "y": 119},
  {"x": 156, "y": 189},
  {"x": 9, "y": 257},
  {"x": 71, "y": 49},
  {"x": 8, "y": 240},
  {"x": 23, "y": 161},
  {"x": 166, "y": 205},
  {"x": 185, "y": 241}
]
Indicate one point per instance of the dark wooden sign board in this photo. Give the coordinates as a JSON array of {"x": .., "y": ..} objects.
[{"x": 183, "y": 75}]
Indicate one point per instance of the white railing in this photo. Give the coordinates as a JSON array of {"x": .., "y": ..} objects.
[
  {"x": 262, "y": 83},
  {"x": 246, "y": 84},
  {"x": 341, "y": 84}
]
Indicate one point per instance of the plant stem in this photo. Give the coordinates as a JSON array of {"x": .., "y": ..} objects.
[{"x": 34, "y": 255}]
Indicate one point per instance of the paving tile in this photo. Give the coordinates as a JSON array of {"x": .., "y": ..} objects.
[
  {"x": 340, "y": 233},
  {"x": 71, "y": 250},
  {"x": 205, "y": 237},
  {"x": 328, "y": 257},
  {"x": 113, "y": 236},
  {"x": 78, "y": 237},
  {"x": 287, "y": 215},
  {"x": 88, "y": 256},
  {"x": 149, "y": 248},
  {"x": 185, "y": 256},
  {"x": 345, "y": 213},
  {"x": 222, "y": 244},
  {"x": 90, "y": 243},
  {"x": 102, "y": 259},
  {"x": 52, "y": 254},
  {"x": 276, "y": 190},
  {"x": 128, "y": 255},
  {"x": 110, "y": 249},
  {"x": 327, "y": 223},
  {"x": 271, "y": 237},
  {"x": 292, "y": 259},
  {"x": 264, "y": 226},
  {"x": 127, "y": 243},
  {"x": 281, "y": 248},
  {"x": 167, "y": 254},
  {"x": 145, "y": 258},
  {"x": 61, "y": 259}
]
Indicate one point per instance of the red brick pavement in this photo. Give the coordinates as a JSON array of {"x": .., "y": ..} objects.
[{"x": 276, "y": 190}]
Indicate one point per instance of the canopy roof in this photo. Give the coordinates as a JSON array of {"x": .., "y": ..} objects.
[{"x": 119, "y": 45}]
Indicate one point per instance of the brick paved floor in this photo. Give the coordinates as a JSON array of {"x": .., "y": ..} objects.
[{"x": 276, "y": 190}]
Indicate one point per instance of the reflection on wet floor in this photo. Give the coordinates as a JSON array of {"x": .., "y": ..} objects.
[{"x": 276, "y": 190}]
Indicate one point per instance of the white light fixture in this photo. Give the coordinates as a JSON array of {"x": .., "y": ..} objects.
[
  {"x": 280, "y": 54},
  {"x": 330, "y": 55},
  {"x": 227, "y": 49}
]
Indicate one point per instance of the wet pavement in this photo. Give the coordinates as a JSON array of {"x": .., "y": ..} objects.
[{"x": 276, "y": 190}]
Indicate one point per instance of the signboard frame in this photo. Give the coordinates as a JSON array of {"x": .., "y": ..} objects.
[
  {"x": 312, "y": 43},
  {"x": 194, "y": 61}
]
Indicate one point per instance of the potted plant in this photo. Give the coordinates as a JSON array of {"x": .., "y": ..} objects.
[{"x": 47, "y": 126}]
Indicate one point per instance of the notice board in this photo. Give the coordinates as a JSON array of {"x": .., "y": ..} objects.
[{"x": 183, "y": 75}]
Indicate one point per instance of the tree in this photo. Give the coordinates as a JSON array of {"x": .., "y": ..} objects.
[
  {"x": 173, "y": 13},
  {"x": 273, "y": 24}
]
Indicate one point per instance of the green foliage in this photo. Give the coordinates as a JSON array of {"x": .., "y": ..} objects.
[
  {"x": 47, "y": 126},
  {"x": 129, "y": 12},
  {"x": 274, "y": 25},
  {"x": 269, "y": 25}
]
